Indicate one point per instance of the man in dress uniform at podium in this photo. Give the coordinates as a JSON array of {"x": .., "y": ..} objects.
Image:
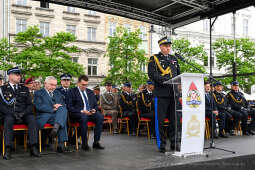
[
  {"x": 16, "y": 105},
  {"x": 238, "y": 103},
  {"x": 163, "y": 67}
]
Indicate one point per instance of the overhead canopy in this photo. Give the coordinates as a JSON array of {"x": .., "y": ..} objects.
[{"x": 172, "y": 13}]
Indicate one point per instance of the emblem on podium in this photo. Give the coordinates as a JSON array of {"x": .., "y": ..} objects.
[{"x": 193, "y": 99}]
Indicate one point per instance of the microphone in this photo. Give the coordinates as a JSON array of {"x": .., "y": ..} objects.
[{"x": 180, "y": 57}]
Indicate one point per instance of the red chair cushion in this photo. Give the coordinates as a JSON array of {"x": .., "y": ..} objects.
[
  {"x": 107, "y": 117},
  {"x": 91, "y": 124},
  {"x": 47, "y": 125},
  {"x": 166, "y": 120},
  {"x": 145, "y": 119},
  {"x": 22, "y": 126},
  {"x": 77, "y": 124}
]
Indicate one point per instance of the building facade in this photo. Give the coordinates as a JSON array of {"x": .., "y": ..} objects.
[{"x": 87, "y": 26}]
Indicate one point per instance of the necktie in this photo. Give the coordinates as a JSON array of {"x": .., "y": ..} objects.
[
  {"x": 86, "y": 100},
  {"x": 15, "y": 88},
  {"x": 51, "y": 94},
  {"x": 208, "y": 97}
]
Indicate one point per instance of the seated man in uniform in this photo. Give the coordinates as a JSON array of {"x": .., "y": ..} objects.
[
  {"x": 146, "y": 105},
  {"x": 127, "y": 103},
  {"x": 210, "y": 107},
  {"x": 16, "y": 105},
  {"x": 65, "y": 84},
  {"x": 238, "y": 103},
  {"x": 82, "y": 106},
  {"x": 223, "y": 107},
  {"x": 50, "y": 107},
  {"x": 109, "y": 105}
]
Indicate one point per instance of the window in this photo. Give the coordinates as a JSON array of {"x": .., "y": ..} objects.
[
  {"x": 92, "y": 66},
  {"x": 71, "y": 29},
  {"x": 112, "y": 29},
  {"x": 143, "y": 68},
  {"x": 245, "y": 27},
  {"x": 21, "y": 25},
  {"x": 70, "y": 9},
  {"x": 90, "y": 12},
  {"x": 128, "y": 27},
  {"x": 91, "y": 34},
  {"x": 21, "y": 2},
  {"x": 45, "y": 28},
  {"x": 44, "y": 4},
  {"x": 143, "y": 34},
  {"x": 75, "y": 59}
]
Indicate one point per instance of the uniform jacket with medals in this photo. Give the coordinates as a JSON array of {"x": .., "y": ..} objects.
[
  {"x": 236, "y": 100},
  {"x": 109, "y": 101},
  {"x": 160, "y": 69},
  {"x": 145, "y": 102},
  {"x": 221, "y": 100},
  {"x": 15, "y": 103},
  {"x": 127, "y": 101}
]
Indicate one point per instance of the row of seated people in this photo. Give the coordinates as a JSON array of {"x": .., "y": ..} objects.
[
  {"x": 230, "y": 109},
  {"x": 51, "y": 107}
]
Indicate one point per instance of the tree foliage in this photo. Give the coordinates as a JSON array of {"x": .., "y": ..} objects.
[
  {"x": 196, "y": 55},
  {"x": 41, "y": 56},
  {"x": 245, "y": 60},
  {"x": 7, "y": 51},
  {"x": 126, "y": 58}
]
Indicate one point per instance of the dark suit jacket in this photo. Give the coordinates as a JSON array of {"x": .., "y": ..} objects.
[
  {"x": 208, "y": 107},
  {"x": 43, "y": 102},
  {"x": 75, "y": 103}
]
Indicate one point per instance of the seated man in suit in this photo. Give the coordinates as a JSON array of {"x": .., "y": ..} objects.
[
  {"x": 82, "y": 107},
  {"x": 16, "y": 106},
  {"x": 50, "y": 107},
  {"x": 210, "y": 107}
]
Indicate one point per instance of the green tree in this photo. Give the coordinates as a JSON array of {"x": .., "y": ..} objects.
[
  {"x": 7, "y": 51},
  {"x": 245, "y": 60},
  {"x": 195, "y": 55},
  {"x": 126, "y": 58},
  {"x": 43, "y": 56}
]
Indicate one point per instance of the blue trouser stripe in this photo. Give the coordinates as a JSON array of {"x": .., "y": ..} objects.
[{"x": 156, "y": 122}]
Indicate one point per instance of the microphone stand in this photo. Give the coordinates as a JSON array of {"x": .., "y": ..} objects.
[{"x": 211, "y": 79}]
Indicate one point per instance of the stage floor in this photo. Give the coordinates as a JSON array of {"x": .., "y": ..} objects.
[{"x": 130, "y": 152}]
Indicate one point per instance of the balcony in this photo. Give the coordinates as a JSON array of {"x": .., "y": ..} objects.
[
  {"x": 44, "y": 12},
  {"x": 21, "y": 9}
]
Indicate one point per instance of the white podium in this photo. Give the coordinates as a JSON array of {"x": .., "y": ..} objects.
[{"x": 190, "y": 113}]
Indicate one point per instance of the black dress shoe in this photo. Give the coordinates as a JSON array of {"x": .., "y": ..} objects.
[
  {"x": 54, "y": 131},
  {"x": 246, "y": 133},
  {"x": 60, "y": 149},
  {"x": 7, "y": 154},
  {"x": 85, "y": 147},
  {"x": 251, "y": 132},
  {"x": 223, "y": 135},
  {"x": 97, "y": 145},
  {"x": 175, "y": 148},
  {"x": 34, "y": 152},
  {"x": 162, "y": 150}
]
